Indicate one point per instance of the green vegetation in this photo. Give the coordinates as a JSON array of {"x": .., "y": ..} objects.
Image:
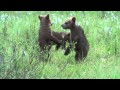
[{"x": 20, "y": 56}]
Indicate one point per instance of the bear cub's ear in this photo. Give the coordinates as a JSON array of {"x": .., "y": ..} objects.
[
  {"x": 73, "y": 19},
  {"x": 47, "y": 16},
  {"x": 40, "y": 17}
]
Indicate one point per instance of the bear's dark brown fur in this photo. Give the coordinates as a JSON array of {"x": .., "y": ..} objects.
[
  {"x": 78, "y": 37},
  {"x": 47, "y": 37},
  {"x": 45, "y": 34}
]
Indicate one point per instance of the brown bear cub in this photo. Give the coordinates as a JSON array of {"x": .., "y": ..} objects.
[
  {"x": 45, "y": 34},
  {"x": 47, "y": 37},
  {"x": 77, "y": 37}
]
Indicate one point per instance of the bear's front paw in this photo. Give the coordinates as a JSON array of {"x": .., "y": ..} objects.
[{"x": 67, "y": 52}]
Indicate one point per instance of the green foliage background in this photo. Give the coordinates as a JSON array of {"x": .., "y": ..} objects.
[{"x": 20, "y": 55}]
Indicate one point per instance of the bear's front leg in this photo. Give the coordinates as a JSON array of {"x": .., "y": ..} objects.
[
  {"x": 57, "y": 47},
  {"x": 67, "y": 51},
  {"x": 56, "y": 41}
]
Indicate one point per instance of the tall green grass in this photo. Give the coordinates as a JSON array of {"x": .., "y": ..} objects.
[{"x": 20, "y": 55}]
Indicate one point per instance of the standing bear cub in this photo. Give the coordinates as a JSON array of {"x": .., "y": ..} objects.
[
  {"x": 46, "y": 36},
  {"x": 77, "y": 37}
]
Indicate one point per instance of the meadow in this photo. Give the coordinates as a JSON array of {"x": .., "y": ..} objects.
[{"x": 20, "y": 55}]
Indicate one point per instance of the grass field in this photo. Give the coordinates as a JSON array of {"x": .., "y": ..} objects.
[{"x": 20, "y": 55}]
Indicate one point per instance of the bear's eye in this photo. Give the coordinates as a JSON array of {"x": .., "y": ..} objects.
[{"x": 66, "y": 23}]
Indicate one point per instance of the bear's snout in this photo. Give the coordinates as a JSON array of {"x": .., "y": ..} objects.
[{"x": 63, "y": 26}]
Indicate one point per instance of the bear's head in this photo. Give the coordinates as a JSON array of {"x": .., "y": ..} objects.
[
  {"x": 69, "y": 23},
  {"x": 45, "y": 20}
]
